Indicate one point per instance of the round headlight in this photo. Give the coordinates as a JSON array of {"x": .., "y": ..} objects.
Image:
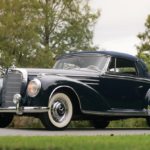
[{"x": 34, "y": 87}]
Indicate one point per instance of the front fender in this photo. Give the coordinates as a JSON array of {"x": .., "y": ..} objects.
[{"x": 89, "y": 98}]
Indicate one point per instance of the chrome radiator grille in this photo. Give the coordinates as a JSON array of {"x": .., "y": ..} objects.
[{"x": 11, "y": 85}]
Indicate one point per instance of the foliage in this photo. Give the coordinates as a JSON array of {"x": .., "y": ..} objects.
[
  {"x": 144, "y": 47},
  {"x": 123, "y": 142},
  {"x": 146, "y": 58},
  {"x": 127, "y": 69},
  {"x": 30, "y": 122},
  {"x": 79, "y": 124},
  {"x": 18, "y": 37},
  {"x": 25, "y": 122},
  {"x": 129, "y": 123},
  {"x": 67, "y": 25},
  {"x": 33, "y": 33}
]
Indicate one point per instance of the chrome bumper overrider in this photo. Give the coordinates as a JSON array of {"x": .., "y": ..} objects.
[{"x": 22, "y": 110}]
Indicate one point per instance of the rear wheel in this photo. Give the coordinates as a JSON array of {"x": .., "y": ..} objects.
[
  {"x": 5, "y": 121},
  {"x": 98, "y": 124},
  {"x": 60, "y": 113}
]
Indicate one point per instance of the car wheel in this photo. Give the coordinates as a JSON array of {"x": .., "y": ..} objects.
[
  {"x": 97, "y": 124},
  {"x": 60, "y": 113},
  {"x": 5, "y": 121}
]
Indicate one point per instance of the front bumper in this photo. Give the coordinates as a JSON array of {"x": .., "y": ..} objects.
[
  {"x": 19, "y": 110},
  {"x": 22, "y": 110}
]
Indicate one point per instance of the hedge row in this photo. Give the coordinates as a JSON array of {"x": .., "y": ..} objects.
[{"x": 30, "y": 122}]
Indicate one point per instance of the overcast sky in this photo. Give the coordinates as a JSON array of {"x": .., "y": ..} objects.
[{"x": 120, "y": 22}]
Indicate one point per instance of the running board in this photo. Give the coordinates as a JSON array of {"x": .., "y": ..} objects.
[{"x": 119, "y": 112}]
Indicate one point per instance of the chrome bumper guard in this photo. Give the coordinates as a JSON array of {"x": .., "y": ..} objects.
[{"x": 21, "y": 110}]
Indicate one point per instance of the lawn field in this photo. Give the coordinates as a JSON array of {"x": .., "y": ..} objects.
[{"x": 126, "y": 142}]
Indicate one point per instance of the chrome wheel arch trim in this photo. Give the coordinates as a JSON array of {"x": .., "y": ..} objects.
[{"x": 65, "y": 86}]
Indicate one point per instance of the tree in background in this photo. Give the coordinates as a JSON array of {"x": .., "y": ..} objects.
[
  {"x": 33, "y": 33},
  {"x": 144, "y": 47},
  {"x": 18, "y": 37},
  {"x": 68, "y": 25}
]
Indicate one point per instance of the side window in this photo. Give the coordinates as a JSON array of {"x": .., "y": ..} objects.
[
  {"x": 122, "y": 67},
  {"x": 125, "y": 67}
]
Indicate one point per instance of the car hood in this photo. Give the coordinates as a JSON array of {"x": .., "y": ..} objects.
[{"x": 63, "y": 72}]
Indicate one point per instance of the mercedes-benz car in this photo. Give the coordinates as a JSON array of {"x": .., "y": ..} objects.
[{"x": 97, "y": 86}]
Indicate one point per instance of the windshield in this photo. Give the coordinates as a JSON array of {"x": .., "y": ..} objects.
[{"x": 96, "y": 63}]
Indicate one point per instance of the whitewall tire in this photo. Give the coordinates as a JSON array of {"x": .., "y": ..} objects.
[{"x": 60, "y": 113}]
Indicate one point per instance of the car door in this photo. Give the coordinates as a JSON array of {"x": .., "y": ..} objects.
[{"x": 121, "y": 85}]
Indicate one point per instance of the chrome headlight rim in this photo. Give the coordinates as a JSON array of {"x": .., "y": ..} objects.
[{"x": 38, "y": 82}]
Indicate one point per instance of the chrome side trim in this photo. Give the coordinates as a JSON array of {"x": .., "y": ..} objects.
[
  {"x": 90, "y": 83},
  {"x": 126, "y": 78},
  {"x": 79, "y": 79},
  {"x": 66, "y": 75},
  {"x": 69, "y": 75},
  {"x": 64, "y": 86},
  {"x": 25, "y": 109},
  {"x": 115, "y": 113}
]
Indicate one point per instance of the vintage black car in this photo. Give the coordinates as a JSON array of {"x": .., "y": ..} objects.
[{"x": 98, "y": 86}]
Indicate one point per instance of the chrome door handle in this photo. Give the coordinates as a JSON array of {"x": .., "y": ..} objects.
[{"x": 140, "y": 87}]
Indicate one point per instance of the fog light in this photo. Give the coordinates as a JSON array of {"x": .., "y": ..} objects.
[{"x": 17, "y": 98}]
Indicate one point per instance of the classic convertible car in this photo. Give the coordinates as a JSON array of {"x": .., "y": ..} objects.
[{"x": 98, "y": 86}]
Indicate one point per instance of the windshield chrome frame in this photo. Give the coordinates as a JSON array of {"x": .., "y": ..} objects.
[{"x": 106, "y": 66}]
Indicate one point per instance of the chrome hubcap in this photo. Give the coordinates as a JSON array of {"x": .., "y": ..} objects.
[{"x": 59, "y": 110}]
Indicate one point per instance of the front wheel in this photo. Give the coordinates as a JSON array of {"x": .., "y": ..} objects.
[
  {"x": 98, "y": 124},
  {"x": 5, "y": 121},
  {"x": 60, "y": 113}
]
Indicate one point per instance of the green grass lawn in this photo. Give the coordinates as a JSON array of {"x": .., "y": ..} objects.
[{"x": 124, "y": 142}]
